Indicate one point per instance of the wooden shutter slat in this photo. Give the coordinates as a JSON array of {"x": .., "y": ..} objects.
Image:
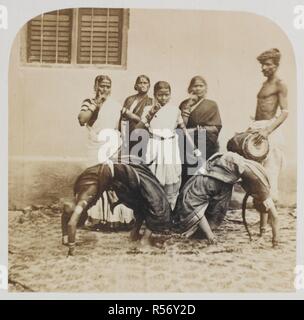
[
  {"x": 85, "y": 49},
  {"x": 99, "y": 34},
  {"x": 99, "y": 45},
  {"x": 98, "y": 61},
  {"x": 36, "y": 38},
  {"x": 35, "y": 59},
  {"x": 85, "y": 34},
  {"x": 96, "y": 50},
  {"x": 99, "y": 56},
  {"x": 49, "y": 17},
  {"x": 36, "y": 48},
  {"x": 113, "y": 45},
  {"x": 99, "y": 37},
  {"x": 99, "y": 24},
  {"x": 49, "y": 33},
  {"x": 88, "y": 19},
  {"x": 35, "y": 53},
  {"x": 36, "y": 43},
  {"x": 88, "y": 29},
  {"x": 85, "y": 41},
  {"x": 49, "y": 48},
  {"x": 49, "y": 38},
  {"x": 36, "y": 32},
  {"x": 48, "y": 59},
  {"x": 84, "y": 60},
  {"x": 49, "y": 29},
  {"x": 35, "y": 24},
  {"x": 36, "y": 29},
  {"x": 64, "y": 29}
]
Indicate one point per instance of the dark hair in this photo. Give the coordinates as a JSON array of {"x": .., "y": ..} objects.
[
  {"x": 194, "y": 79},
  {"x": 161, "y": 85},
  {"x": 273, "y": 54},
  {"x": 101, "y": 78},
  {"x": 138, "y": 79}
]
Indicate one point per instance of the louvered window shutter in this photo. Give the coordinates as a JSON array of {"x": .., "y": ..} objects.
[
  {"x": 99, "y": 36},
  {"x": 49, "y": 37}
]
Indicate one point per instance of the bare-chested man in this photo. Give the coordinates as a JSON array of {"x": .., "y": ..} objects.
[{"x": 271, "y": 97}]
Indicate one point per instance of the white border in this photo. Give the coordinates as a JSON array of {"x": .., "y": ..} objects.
[{"x": 19, "y": 12}]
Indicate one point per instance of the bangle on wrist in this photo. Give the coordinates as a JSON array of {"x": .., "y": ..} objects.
[
  {"x": 268, "y": 130},
  {"x": 92, "y": 108},
  {"x": 146, "y": 124}
]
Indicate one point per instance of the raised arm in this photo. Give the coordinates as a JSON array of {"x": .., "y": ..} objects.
[
  {"x": 127, "y": 114},
  {"x": 86, "y": 112}
]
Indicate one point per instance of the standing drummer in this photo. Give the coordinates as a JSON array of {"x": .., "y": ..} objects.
[{"x": 271, "y": 97}]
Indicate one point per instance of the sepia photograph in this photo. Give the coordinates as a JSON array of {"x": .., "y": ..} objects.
[{"x": 152, "y": 150}]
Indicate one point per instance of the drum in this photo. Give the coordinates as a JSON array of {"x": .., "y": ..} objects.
[{"x": 245, "y": 144}]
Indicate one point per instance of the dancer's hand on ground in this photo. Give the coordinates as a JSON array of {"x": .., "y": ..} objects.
[
  {"x": 212, "y": 241},
  {"x": 275, "y": 243},
  {"x": 71, "y": 251}
]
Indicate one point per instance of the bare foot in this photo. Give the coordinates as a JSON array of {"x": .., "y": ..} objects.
[
  {"x": 151, "y": 242},
  {"x": 262, "y": 232},
  {"x": 260, "y": 241},
  {"x": 157, "y": 244},
  {"x": 71, "y": 252},
  {"x": 65, "y": 240},
  {"x": 212, "y": 241},
  {"x": 135, "y": 235},
  {"x": 275, "y": 243}
]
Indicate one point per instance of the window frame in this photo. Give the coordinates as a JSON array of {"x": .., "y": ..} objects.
[
  {"x": 74, "y": 45},
  {"x": 53, "y": 42}
]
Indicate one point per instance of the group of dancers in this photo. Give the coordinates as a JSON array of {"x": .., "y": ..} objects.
[{"x": 177, "y": 181}]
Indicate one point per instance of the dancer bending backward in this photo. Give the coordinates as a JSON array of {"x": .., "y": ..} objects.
[
  {"x": 204, "y": 200},
  {"x": 135, "y": 186}
]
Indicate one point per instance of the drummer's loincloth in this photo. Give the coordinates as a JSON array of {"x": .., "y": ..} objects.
[
  {"x": 276, "y": 138},
  {"x": 274, "y": 161}
]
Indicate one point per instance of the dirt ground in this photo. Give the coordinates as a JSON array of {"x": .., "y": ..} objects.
[{"x": 109, "y": 262}]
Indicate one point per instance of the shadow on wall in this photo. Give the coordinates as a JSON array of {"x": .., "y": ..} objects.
[{"x": 45, "y": 182}]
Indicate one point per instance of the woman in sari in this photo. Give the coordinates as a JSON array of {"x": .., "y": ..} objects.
[
  {"x": 200, "y": 115},
  {"x": 162, "y": 154},
  {"x": 134, "y": 105},
  {"x": 98, "y": 115}
]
